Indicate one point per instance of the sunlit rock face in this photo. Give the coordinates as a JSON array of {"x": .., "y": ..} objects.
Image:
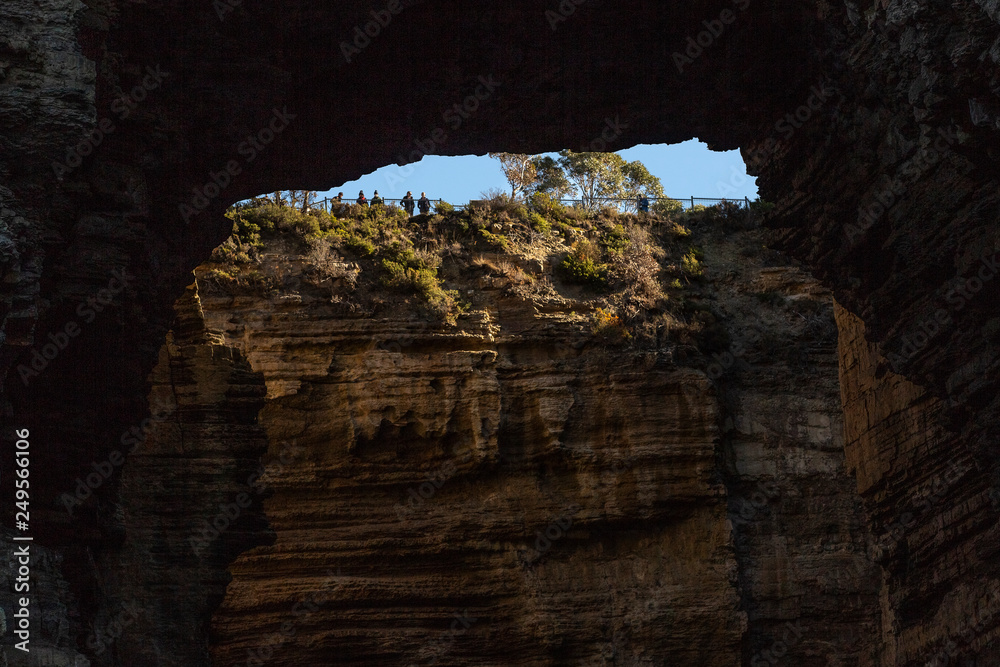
[
  {"x": 118, "y": 119},
  {"x": 511, "y": 489}
]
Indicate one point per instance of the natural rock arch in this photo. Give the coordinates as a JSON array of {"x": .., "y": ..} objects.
[{"x": 139, "y": 104}]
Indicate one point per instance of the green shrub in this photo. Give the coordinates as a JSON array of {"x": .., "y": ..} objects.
[
  {"x": 667, "y": 207},
  {"x": 538, "y": 223},
  {"x": 443, "y": 208},
  {"x": 546, "y": 206},
  {"x": 691, "y": 262},
  {"x": 360, "y": 246},
  {"x": 615, "y": 241},
  {"x": 498, "y": 241},
  {"x": 581, "y": 266},
  {"x": 424, "y": 283}
]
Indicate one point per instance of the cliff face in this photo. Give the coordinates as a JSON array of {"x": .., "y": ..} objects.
[
  {"x": 517, "y": 489},
  {"x": 934, "y": 512},
  {"x": 873, "y": 127}
]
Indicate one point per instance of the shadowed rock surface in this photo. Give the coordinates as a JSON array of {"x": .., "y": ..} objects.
[{"x": 912, "y": 126}]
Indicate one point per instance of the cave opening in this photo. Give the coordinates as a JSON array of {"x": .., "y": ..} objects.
[
  {"x": 565, "y": 384},
  {"x": 606, "y": 480}
]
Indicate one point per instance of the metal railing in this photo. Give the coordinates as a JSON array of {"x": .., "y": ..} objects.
[
  {"x": 329, "y": 202},
  {"x": 633, "y": 202},
  {"x": 622, "y": 203}
]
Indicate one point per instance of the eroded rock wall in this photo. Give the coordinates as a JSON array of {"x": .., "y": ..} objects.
[
  {"x": 509, "y": 491},
  {"x": 931, "y": 510},
  {"x": 909, "y": 75}
]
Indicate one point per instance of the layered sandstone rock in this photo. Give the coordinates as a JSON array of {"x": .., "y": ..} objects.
[
  {"x": 908, "y": 75},
  {"x": 928, "y": 495},
  {"x": 512, "y": 491}
]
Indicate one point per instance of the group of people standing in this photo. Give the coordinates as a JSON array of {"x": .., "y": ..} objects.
[{"x": 408, "y": 203}]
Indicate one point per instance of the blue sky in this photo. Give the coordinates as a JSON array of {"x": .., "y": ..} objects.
[{"x": 685, "y": 169}]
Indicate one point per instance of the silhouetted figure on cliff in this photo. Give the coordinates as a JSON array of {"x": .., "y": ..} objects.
[
  {"x": 408, "y": 202},
  {"x": 377, "y": 200},
  {"x": 362, "y": 200},
  {"x": 424, "y": 203}
]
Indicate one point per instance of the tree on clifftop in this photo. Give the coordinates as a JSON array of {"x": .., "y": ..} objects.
[
  {"x": 550, "y": 179},
  {"x": 591, "y": 177},
  {"x": 519, "y": 170}
]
